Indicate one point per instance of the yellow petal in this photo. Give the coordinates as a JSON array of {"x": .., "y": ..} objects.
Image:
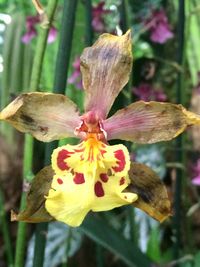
[
  {"x": 46, "y": 116},
  {"x": 105, "y": 68},
  {"x": 152, "y": 194},
  {"x": 35, "y": 203},
  {"x": 89, "y": 176},
  {"x": 149, "y": 122}
]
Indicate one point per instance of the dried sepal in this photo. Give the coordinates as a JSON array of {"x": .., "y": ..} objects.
[
  {"x": 105, "y": 68},
  {"x": 149, "y": 122},
  {"x": 152, "y": 194},
  {"x": 46, "y": 116},
  {"x": 35, "y": 203}
]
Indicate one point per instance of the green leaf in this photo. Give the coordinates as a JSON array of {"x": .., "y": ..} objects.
[
  {"x": 197, "y": 260},
  {"x": 62, "y": 242},
  {"x": 102, "y": 233},
  {"x": 153, "y": 248}
]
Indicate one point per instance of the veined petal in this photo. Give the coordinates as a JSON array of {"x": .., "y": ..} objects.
[
  {"x": 149, "y": 122},
  {"x": 105, "y": 68},
  {"x": 152, "y": 194},
  {"x": 46, "y": 116},
  {"x": 89, "y": 176},
  {"x": 35, "y": 203}
]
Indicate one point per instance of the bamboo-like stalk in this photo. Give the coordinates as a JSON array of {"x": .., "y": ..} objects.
[
  {"x": 180, "y": 155},
  {"x": 21, "y": 230},
  {"x": 28, "y": 145},
  {"x": 60, "y": 80},
  {"x": 88, "y": 23}
]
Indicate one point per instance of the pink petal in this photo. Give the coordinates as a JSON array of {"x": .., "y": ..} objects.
[
  {"x": 28, "y": 36},
  {"x": 149, "y": 122},
  {"x": 161, "y": 33},
  {"x": 72, "y": 79},
  {"x": 196, "y": 180},
  {"x": 105, "y": 68},
  {"x": 52, "y": 35}
]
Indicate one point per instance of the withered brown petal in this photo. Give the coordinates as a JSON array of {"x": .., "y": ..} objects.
[
  {"x": 105, "y": 68},
  {"x": 152, "y": 194},
  {"x": 35, "y": 203},
  {"x": 46, "y": 116},
  {"x": 149, "y": 122}
]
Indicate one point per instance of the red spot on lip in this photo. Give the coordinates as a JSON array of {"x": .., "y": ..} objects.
[
  {"x": 79, "y": 178},
  {"x": 119, "y": 155},
  {"x": 98, "y": 189},
  {"x": 60, "y": 181},
  {"x": 103, "y": 177},
  {"x": 122, "y": 181},
  {"x": 62, "y": 155}
]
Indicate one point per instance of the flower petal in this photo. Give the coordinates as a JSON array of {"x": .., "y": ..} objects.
[
  {"x": 35, "y": 210},
  {"x": 46, "y": 116},
  {"x": 152, "y": 194},
  {"x": 89, "y": 176},
  {"x": 105, "y": 68},
  {"x": 149, "y": 122}
]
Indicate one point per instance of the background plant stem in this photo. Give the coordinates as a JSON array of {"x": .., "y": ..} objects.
[
  {"x": 180, "y": 155},
  {"x": 88, "y": 23},
  {"x": 62, "y": 66},
  {"x": 28, "y": 144},
  {"x": 5, "y": 232}
]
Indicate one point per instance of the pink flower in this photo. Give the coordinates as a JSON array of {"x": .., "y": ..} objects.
[
  {"x": 196, "y": 169},
  {"x": 98, "y": 13},
  {"x": 75, "y": 78},
  {"x": 159, "y": 27},
  {"x": 31, "y": 32},
  {"x": 52, "y": 35},
  {"x": 147, "y": 93}
]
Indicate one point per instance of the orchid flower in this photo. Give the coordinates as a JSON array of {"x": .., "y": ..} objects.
[
  {"x": 159, "y": 27},
  {"x": 98, "y": 13},
  {"x": 94, "y": 175},
  {"x": 31, "y": 32},
  {"x": 75, "y": 78}
]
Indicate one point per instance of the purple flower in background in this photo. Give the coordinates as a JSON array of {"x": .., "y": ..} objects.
[
  {"x": 75, "y": 78},
  {"x": 146, "y": 92},
  {"x": 31, "y": 32},
  {"x": 196, "y": 169},
  {"x": 98, "y": 13},
  {"x": 159, "y": 27},
  {"x": 52, "y": 34}
]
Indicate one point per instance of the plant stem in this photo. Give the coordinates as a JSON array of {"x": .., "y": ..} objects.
[
  {"x": 21, "y": 230},
  {"x": 41, "y": 46},
  {"x": 62, "y": 66},
  {"x": 123, "y": 16},
  {"x": 64, "y": 51},
  {"x": 88, "y": 22},
  {"x": 28, "y": 145},
  {"x": 5, "y": 232},
  {"x": 180, "y": 155}
]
